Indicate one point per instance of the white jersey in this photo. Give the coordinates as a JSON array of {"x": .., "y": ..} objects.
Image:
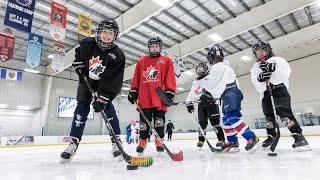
[
  {"x": 134, "y": 130},
  {"x": 220, "y": 75},
  {"x": 196, "y": 90},
  {"x": 280, "y": 75}
]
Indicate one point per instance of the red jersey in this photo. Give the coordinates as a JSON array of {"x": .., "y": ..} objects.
[{"x": 149, "y": 74}]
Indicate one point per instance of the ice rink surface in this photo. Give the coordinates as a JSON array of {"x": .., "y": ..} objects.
[{"x": 94, "y": 162}]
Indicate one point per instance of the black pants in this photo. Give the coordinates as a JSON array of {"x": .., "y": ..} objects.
[
  {"x": 282, "y": 101},
  {"x": 212, "y": 113},
  {"x": 170, "y": 134},
  {"x": 158, "y": 117}
]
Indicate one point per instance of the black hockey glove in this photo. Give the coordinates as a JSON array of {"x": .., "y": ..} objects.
[
  {"x": 264, "y": 76},
  {"x": 133, "y": 95},
  {"x": 170, "y": 94},
  {"x": 206, "y": 98},
  {"x": 190, "y": 107},
  {"x": 79, "y": 68},
  {"x": 100, "y": 103},
  {"x": 267, "y": 67}
]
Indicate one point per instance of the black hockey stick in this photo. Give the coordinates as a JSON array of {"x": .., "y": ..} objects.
[
  {"x": 276, "y": 139},
  {"x": 136, "y": 161},
  {"x": 174, "y": 157},
  {"x": 166, "y": 100},
  {"x": 215, "y": 150},
  {"x": 169, "y": 103}
]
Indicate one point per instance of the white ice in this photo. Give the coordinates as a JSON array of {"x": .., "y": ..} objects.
[{"x": 94, "y": 162}]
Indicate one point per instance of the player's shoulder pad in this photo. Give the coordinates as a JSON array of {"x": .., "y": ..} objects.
[
  {"x": 119, "y": 53},
  {"x": 143, "y": 57},
  {"x": 88, "y": 41}
]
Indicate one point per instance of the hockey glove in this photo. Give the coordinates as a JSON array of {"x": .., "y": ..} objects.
[
  {"x": 267, "y": 67},
  {"x": 133, "y": 95},
  {"x": 264, "y": 76},
  {"x": 190, "y": 107},
  {"x": 100, "y": 103},
  {"x": 206, "y": 98},
  {"x": 79, "y": 68},
  {"x": 170, "y": 94}
]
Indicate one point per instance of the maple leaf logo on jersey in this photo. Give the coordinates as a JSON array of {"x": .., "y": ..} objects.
[
  {"x": 95, "y": 68},
  {"x": 151, "y": 74},
  {"x": 198, "y": 90}
]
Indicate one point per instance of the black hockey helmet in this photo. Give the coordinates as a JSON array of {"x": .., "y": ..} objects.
[
  {"x": 202, "y": 70},
  {"x": 155, "y": 40},
  {"x": 108, "y": 24},
  {"x": 261, "y": 45},
  {"x": 215, "y": 54}
]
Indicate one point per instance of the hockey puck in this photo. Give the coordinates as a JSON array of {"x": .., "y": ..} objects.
[
  {"x": 272, "y": 154},
  {"x": 132, "y": 167}
]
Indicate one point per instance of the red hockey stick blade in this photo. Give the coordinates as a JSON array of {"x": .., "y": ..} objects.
[{"x": 177, "y": 157}]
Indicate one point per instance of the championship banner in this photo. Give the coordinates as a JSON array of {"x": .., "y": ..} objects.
[
  {"x": 59, "y": 51},
  {"x": 34, "y": 50},
  {"x": 58, "y": 21},
  {"x": 6, "y": 47},
  {"x": 19, "y": 14},
  {"x": 7, "y": 30},
  {"x": 177, "y": 66},
  {"x": 84, "y": 25}
]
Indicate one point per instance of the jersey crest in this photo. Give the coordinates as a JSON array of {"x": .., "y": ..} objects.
[
  {"x": 151, "y": 74},
  {"x": 96, "y": 68}
]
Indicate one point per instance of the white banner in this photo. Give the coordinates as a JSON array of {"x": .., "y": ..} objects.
[
  {"x": 59, "y": 51},
  {"x": 67, "y": 107}
]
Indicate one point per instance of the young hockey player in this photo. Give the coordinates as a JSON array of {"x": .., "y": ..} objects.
[
  {"x": 222, "y": 82},
  {"x": 206, "y": 110},
  {"x": 134, "y": 131},
  {"x": 99, "y": 59},
  {"x": 170, "y": 128},
  {"x": 151, "y": 72},
  {"x": 277, "y": 70}
]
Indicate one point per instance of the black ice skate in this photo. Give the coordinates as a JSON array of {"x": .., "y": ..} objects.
[
  {"x": 266, "y": 143},
  {"x": 300, "y": 143},
  {"x": 253, "y": 145},
  {"x": 116, "y": 153},
  {"x": 200, "y": 144},
  {"x": 142, "y": 145},
  {"x": 159, "y": 146},
  {"x": 67, "y": 155},
  {"x": 219, "y": 143},
  {"x": 231, "y": 146}
]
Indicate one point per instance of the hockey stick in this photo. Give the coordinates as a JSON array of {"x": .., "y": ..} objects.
[
  {"x": 166, "y": 100},
  {"x": 136, "y": 161},
  {"x": 276, "y": 139},
  {"x": 215, "y": 150},
  {"x": 174, "y": 157}
]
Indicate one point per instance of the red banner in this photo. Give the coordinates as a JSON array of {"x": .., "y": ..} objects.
[
  {"x": 58, "y": 21},
  {"x": 58, "y": 14},
  {"x": 6, "y": 47}
]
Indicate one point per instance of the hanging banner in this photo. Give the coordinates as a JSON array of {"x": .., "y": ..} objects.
[
  {"x": 6, "y": 47},
  {"x": 19, "y": 14},
  {"x": 58, "y": 21},
  {"x": 34, "y": 50},
  {"x": 7, "y": 30},
  {"x": 84, "y": 25},
  {"x": 177, "y": 66},
  {"x": 59, "y": 51}
]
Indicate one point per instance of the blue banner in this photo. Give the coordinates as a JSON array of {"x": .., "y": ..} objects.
[
  {"x": 19, "y": 14},
  {"x": 34, "y": 50}
]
